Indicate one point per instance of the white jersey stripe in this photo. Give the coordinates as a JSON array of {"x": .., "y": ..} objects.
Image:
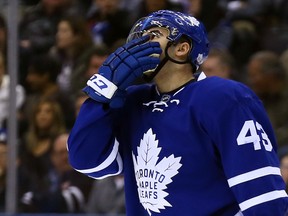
[
  {"x": 109, "y": 160},
  {"x": 120, "y": 164},
  {"x": 262, "y": 198},
  {"x": 265, "y": 171},
  {"x": 239, "y": 214},
  {"x": 201, "y": 76}
]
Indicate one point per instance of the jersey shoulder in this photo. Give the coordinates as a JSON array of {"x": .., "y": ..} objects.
[{"x": 223, "y": 92}]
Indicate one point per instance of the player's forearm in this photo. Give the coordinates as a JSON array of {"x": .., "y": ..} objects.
[{"x": 93, "y": 149}]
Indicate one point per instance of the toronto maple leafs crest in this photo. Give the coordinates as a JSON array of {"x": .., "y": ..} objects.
[{"x": 153, "y": 174}]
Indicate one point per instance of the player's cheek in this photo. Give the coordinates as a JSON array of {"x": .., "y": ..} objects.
[{"x": 163, "y": 45}]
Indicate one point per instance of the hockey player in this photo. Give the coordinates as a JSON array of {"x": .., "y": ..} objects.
[{"x": 186, "y": 144}]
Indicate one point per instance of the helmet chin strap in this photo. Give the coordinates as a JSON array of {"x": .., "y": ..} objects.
[{"x": 149, "y": 77}]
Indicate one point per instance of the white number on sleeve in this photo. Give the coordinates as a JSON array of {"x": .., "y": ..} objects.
[
  {"x": 249, "y": 134},
  {"x": 265, "y": 140}
]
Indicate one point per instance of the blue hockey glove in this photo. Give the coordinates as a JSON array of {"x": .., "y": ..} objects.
[{"x": 121, "y": 68}]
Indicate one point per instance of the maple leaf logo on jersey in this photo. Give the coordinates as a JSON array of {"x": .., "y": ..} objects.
[{"x": 152, "y": 178}]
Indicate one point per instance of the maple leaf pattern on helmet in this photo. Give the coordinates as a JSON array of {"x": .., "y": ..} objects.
[{"x": 152, "y": 178}]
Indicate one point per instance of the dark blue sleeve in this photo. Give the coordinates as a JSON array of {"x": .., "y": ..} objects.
[
  {"x": 92, "y": 145},
  {"x": 237, "y": 122}
]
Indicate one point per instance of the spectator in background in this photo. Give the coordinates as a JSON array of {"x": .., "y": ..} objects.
[
  {"x": 219, "y": 63},
  {"x": 194, "y": 7},
  {"x": 238, "y": 29},
  {"x": 284, "y": 60},
  {"x": 107, "y": 196},
  {"x": 268, "y": 79},
  {"x": 108, "y": 22},
  {"x": 80, "y": 98},
  {"x": 39, "y": 23},
  {"x": 46, "y": 123},
  {"x": 72, "y": 184},
  {"x": 4, "y": 94},
  {"x": 38, "y": 27},
  {"x": 208, "y": 11},
  {"x": 29, "y": 2},
  {"x": 66, "y": 190},
  {"x": 3, "y": 36},
  {"x": 249, "y": 26},
  {"x": 89, "y": 66},
  {"x": 282, "y": 8},
  {"x": 73, "y": 42},
  {"x": 283, "y": 157},
  {"x": 145, "y": 7},
  {"x": 82, "y": 6},
  {"x": 42, "y": 76}
]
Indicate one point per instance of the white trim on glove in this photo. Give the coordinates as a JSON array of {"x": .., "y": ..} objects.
[{"x": 102, "y": 86}]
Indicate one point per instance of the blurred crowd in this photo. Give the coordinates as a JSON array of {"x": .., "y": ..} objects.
[{"x": 62, "y": 43}]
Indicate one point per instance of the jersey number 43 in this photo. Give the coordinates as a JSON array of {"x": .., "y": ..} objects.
[{"x": 253, "y": 133}]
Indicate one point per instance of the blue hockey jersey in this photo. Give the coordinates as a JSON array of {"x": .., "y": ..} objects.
[{"x": 205, "y": 149}]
